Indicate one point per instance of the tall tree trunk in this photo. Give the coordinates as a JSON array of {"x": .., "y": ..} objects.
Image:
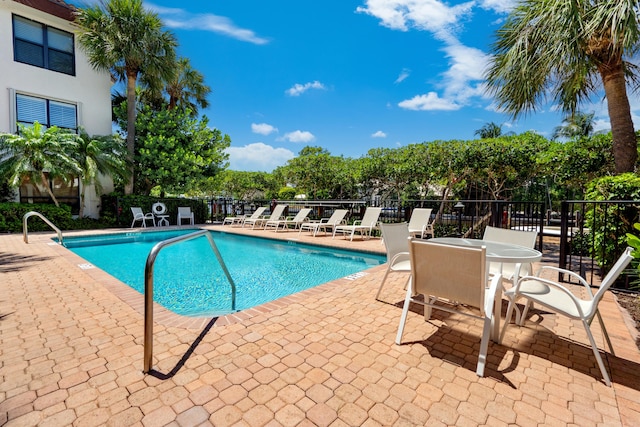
[
  {"x": 625, "y": 145},
  {"x": 45, "y": 182},
  {"x": 131, "y": 126}
]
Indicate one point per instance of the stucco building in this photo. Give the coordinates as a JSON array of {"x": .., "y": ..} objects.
[{"x": 45, "y": 77}]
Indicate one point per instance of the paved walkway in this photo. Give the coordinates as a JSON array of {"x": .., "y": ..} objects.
[{"x": 71, "y": 353}]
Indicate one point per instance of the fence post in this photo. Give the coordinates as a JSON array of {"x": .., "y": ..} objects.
[{"x": 564, "y": 236}]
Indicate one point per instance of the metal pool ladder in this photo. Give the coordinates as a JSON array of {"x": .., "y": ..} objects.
[
  {"x": 25, "y": 231},
  {"x": 148, "y": 287}
]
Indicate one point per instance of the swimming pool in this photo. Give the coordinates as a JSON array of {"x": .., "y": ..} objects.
[{"x": 189, "y": 281}]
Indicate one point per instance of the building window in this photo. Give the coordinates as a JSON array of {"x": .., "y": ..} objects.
[
  {"x": 43, "y": 46},
  {"x": 47, "y": 112},
  {"x": 67, "y": 192}
]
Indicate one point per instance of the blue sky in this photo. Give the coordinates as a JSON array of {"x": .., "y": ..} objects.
[{"x": 346, "y": 75}]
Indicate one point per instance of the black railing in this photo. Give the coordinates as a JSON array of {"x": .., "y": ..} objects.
[{"x": 593, "y": 236}]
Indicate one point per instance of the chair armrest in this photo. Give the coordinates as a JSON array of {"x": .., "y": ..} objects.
[
  {"x": 400, "y": 256},
  {"x": 556, "y": 285},
  {"x": 570, "y": 273}
]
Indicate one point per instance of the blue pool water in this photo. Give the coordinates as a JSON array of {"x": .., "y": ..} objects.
[{"x": 188, "y": 279}]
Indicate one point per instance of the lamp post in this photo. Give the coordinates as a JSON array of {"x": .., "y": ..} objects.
[{"x": 459, "y": 207}]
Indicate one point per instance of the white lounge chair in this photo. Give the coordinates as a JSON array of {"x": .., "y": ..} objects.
[
  {"x": 365, "y": 226},
  {"x": 325, "y": 224},
  {"x": 296, "y": 221},
  {"x": 138, "y": 215},
  {"x": 420, "y": 223},
  {"x": 559, "y": 299},
  {"x": 261, "y": 221},
  {"x": 396, "y": 241},
  {"x": 184, "y": 213},
  {"x": 255, "y": 215},
  {"x": 448, "y": 277}
]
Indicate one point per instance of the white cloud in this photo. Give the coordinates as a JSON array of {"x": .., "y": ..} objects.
[
  {"x": 429, "y": 102},
  {"x": 403, "y": 75},
  {"x": 263, "y": 128},
  {"x": 298, "y": 89},
  {"x": 180, "y": 18},
  {"x": 464, "y": 78},
  {"x": 258, "y": 157},
  {"x": 379, "y": 134},
  {"x": 299, "y": 136},
  {"x": 430, "y": 15},
  {"x": 463, "y": 81},
  {"x": 500, "y": 6}
]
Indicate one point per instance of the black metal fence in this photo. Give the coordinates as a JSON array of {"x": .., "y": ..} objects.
[
  {"x": 451, "y": 218},
  {"x": 593, "y": 236}
]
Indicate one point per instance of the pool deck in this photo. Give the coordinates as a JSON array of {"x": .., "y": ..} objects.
[{"x": 71, "y": 353}]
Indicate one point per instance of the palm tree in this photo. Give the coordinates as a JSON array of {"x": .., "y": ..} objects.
[
  {"x": 185, "y": 89},
  {"x": 561, "y": 48},
  {"x": 122, "y": 37},
  {"x": 489, "y": 130},
  {"x": 576, "y": 125},
  {"x": 34, "y": 152},
  {"x": 96, "y": 155}
]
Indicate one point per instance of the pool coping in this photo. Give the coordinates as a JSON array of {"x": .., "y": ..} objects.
[{"x": 168, "y": 318}]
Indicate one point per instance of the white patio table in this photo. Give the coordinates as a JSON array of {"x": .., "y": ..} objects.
[{"x": 501, "y": 253}]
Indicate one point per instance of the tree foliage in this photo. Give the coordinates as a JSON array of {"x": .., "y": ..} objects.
[
  {"x": 568, "y": 50},
  {"x": 122, "y": 37},
  {"x": 175, "y": 150}
]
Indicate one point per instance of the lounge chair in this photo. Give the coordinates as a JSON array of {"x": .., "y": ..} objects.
[
  {"x": 420, "y": 223},
  {"x": 365, "y": 226},
  {"x": 261, "y": 221},
  {"x": 296, "y": 221},
  {"x": 255, "y": 215},
  {"x": 138, "y": 215},
  {"x": 450, "y": 278},
  {"x": 396, "y": 241},
  {"x": 184, "y": 213},
  {"x": 326, "y": 224}
]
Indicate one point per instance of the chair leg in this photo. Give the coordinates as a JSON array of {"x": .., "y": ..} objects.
[
  {"x": 604, "y": 332},
  {"x": 382, "y": 284},
  {"x": 484, "y": 346},
  {"x": 596, "y": 353},
  {"x": 523, "y": 316},
  {"x": 403, "y": 318},
  {"x": 507, "y": 319}
]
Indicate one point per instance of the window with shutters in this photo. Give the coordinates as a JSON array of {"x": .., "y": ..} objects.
[
  {"x": 43, "y": 46},
  {"x": 47, "y": 112}
]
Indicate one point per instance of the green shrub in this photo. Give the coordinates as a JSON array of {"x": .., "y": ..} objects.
[
  {"x": 11, "y": 214},
  {"x": 610, "y": 223}
]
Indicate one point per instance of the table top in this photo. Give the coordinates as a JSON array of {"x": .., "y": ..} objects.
[{"x": 496, "y": 251}]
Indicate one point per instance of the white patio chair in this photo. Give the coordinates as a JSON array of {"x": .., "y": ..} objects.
[
  {"x": 260, "y": 221},
  {"x": 364, "y": 227},
  {"x": 420, "y": 223},
  {"x": 138, "y": 215},
  {"x": 559, "y": 299},
  {"x": 516, "y": 237},
  {"x": 325, "y": 224},
  {"x": 296, "y": 221},
  {"x": 255, "y": 215},
  {"x": 396, "y": 242},
  {"x": 184, "y": 213},
  {"x": 448, "y": 276}
]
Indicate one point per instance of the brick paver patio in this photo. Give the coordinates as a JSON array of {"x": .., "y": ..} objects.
[{"x": 71, "y": 350}]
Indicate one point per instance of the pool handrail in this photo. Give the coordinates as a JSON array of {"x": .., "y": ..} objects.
[
  {"x": 148, "y": 287},
  {"x": 25, "y": 231}
]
